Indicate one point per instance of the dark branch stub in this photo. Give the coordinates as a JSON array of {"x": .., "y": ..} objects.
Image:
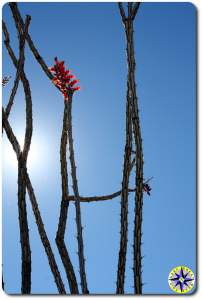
[
  {"x": 132, "y": 11},
  {"x": 122, "y": 12},
  {"x": 135, "y": 9}
]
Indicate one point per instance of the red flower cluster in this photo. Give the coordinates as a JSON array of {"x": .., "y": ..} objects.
[{"x": 63, "y": 79}]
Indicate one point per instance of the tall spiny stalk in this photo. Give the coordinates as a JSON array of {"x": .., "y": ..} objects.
[
  {"x": 45, "y": 68},
  {"x": 128, "y": 25},
  {"x": 54, "y": 268},
  {"x": 24, "y": 177},
  {"x": 124, "y": 202},
  {"x": 132, "y": 10},
  {"x": 38, "y": 57},
  {"x": 22, "y": 210},
  {"x": 77, "y": 201},
  {"x": 49, "y": 75},
  {"x": 64, "y": 208},
  {"x": 137, "y": 266}
]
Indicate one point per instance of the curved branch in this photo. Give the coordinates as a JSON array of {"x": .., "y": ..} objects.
[
  {"x": 22, "y": 209},
  {"x": 71, "y": 277},
  {"x": 105, "y": 197},
  {"x": 134, "y": 112},
  {"x": 124, "y": 199},
  {"x": 135, "y": 9},
  {"x": 14, "y": 8},
  {"x": 16, "y": 147},
  {"x": 7, "y": 44},
  {"x": 77, "y": 202},
  {"x": 98, "y": 198},
  {"x": 12, "y": 138},
  {"x": 41, "y": 229},
  {"x": 137, "y": 266},
  {"x": 44, "y": 237},
  {"x": 19, "y": 67},
  {"x": 24, "y": 230},
  {"x": 122, "y": 12},
  {"x": 26, "y": 86},
  {"x": 130, "y": 6}
]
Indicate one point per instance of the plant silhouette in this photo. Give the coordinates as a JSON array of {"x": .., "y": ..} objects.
[{"x": 132, "y": 162}]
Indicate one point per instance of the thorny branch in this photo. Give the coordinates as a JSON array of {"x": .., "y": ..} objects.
[
  {"x": 14, "y": 7},
  {"x": 45, "y": 241},
  {"x": 135, "y": 9},
  {"x": 137, "y": 266},
  {"x": 105, "y": 197},
  {"x": 77, "y": 200},
  {"x": 69, "y": 198},
  {"x": 27, "y": 91},
  {"x": 98, "y": 198},
  {"x": 132, "y": 124},
  {"x": 48, "y": 73},
  {"x": 7, "y": 44},
  {"x": 60, "y": 236},
  {"x": 22, "y": 157},
  {"x": 128, "y": 25},
  {"x": 122, "y": 12},
  {"x": 124, "y": 201},
  {"x": 20, "y": 66},
  {"x": 12, "y": 138}
]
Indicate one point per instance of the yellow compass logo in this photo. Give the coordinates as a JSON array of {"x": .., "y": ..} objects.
[{"x": 181, "y": 280}]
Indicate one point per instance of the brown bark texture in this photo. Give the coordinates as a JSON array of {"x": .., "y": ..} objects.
[
  {"x": 60, "y": 236},
  {"x": 129, "y": 33},
  {"x": 82, "y": 270}
]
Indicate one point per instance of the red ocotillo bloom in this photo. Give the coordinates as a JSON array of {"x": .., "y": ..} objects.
[{"x": 63, "y": 79}]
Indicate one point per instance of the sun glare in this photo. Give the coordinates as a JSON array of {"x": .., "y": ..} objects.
[{"x": 35, "y": 153}]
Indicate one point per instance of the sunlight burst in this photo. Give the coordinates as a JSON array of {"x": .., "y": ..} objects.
[{"x": 35, "y": 153}]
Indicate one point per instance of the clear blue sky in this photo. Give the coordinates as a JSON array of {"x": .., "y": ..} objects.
[{"x": 90, "y": 38}]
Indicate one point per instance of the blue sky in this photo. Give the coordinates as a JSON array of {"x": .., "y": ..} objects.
[{"x": 90, "y": 38}]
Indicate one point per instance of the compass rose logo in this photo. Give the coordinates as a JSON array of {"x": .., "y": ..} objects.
[{"x": 181, "y": 280}]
